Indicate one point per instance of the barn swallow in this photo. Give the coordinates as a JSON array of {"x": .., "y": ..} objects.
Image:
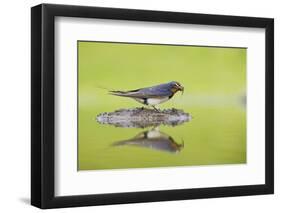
[
  {"x": 153, "y": 139},
  {"x": 154, "y": 95}
]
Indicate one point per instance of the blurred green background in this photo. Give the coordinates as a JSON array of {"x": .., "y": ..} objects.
[{"x": 215, "y": 95}]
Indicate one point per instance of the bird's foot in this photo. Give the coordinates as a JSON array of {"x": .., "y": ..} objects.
[{"x": 156, "y": 109}]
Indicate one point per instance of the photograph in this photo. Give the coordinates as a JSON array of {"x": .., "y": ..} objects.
[{"x": 148, "y": 105}]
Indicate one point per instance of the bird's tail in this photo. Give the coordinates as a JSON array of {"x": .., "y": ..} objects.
[
  {"x": 118, "y": 93},
  {"x": 104, "y": 88},
  {"x": 112, "y": 92}
]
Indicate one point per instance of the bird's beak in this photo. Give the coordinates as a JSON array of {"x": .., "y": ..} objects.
[{"x": 181, "y": 88}]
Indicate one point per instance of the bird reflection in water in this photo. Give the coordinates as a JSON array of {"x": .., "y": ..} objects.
[{"x": 153, "y": 139}]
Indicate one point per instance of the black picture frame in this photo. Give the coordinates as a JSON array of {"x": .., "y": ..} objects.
[{"x": 43, "y": 102}]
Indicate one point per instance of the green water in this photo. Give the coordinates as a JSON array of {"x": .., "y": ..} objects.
[{"x": 215, "y": 86}]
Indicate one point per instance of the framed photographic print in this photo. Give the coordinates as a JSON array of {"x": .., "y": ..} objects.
[{"x": 140, "y": 106}]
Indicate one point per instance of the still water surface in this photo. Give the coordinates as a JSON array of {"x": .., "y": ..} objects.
[{"x": 214, "y": 135}]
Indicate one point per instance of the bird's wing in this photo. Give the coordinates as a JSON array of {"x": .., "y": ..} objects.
[{"x": 143, "y": 93}]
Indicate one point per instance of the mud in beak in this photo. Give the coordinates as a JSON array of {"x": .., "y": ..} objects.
[{"x": 181, "y": 88}]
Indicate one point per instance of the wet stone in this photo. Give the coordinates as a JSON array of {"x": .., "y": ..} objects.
[{"x": 143, "y": 117}]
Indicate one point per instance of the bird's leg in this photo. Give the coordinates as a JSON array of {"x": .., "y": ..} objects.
[{"x": 155, "y": 108}]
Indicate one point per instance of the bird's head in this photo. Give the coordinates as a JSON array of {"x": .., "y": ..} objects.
[{"x": 176, "y": 86}]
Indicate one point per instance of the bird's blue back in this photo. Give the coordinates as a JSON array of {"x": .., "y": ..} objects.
[{"x": 158, "y": 90}]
